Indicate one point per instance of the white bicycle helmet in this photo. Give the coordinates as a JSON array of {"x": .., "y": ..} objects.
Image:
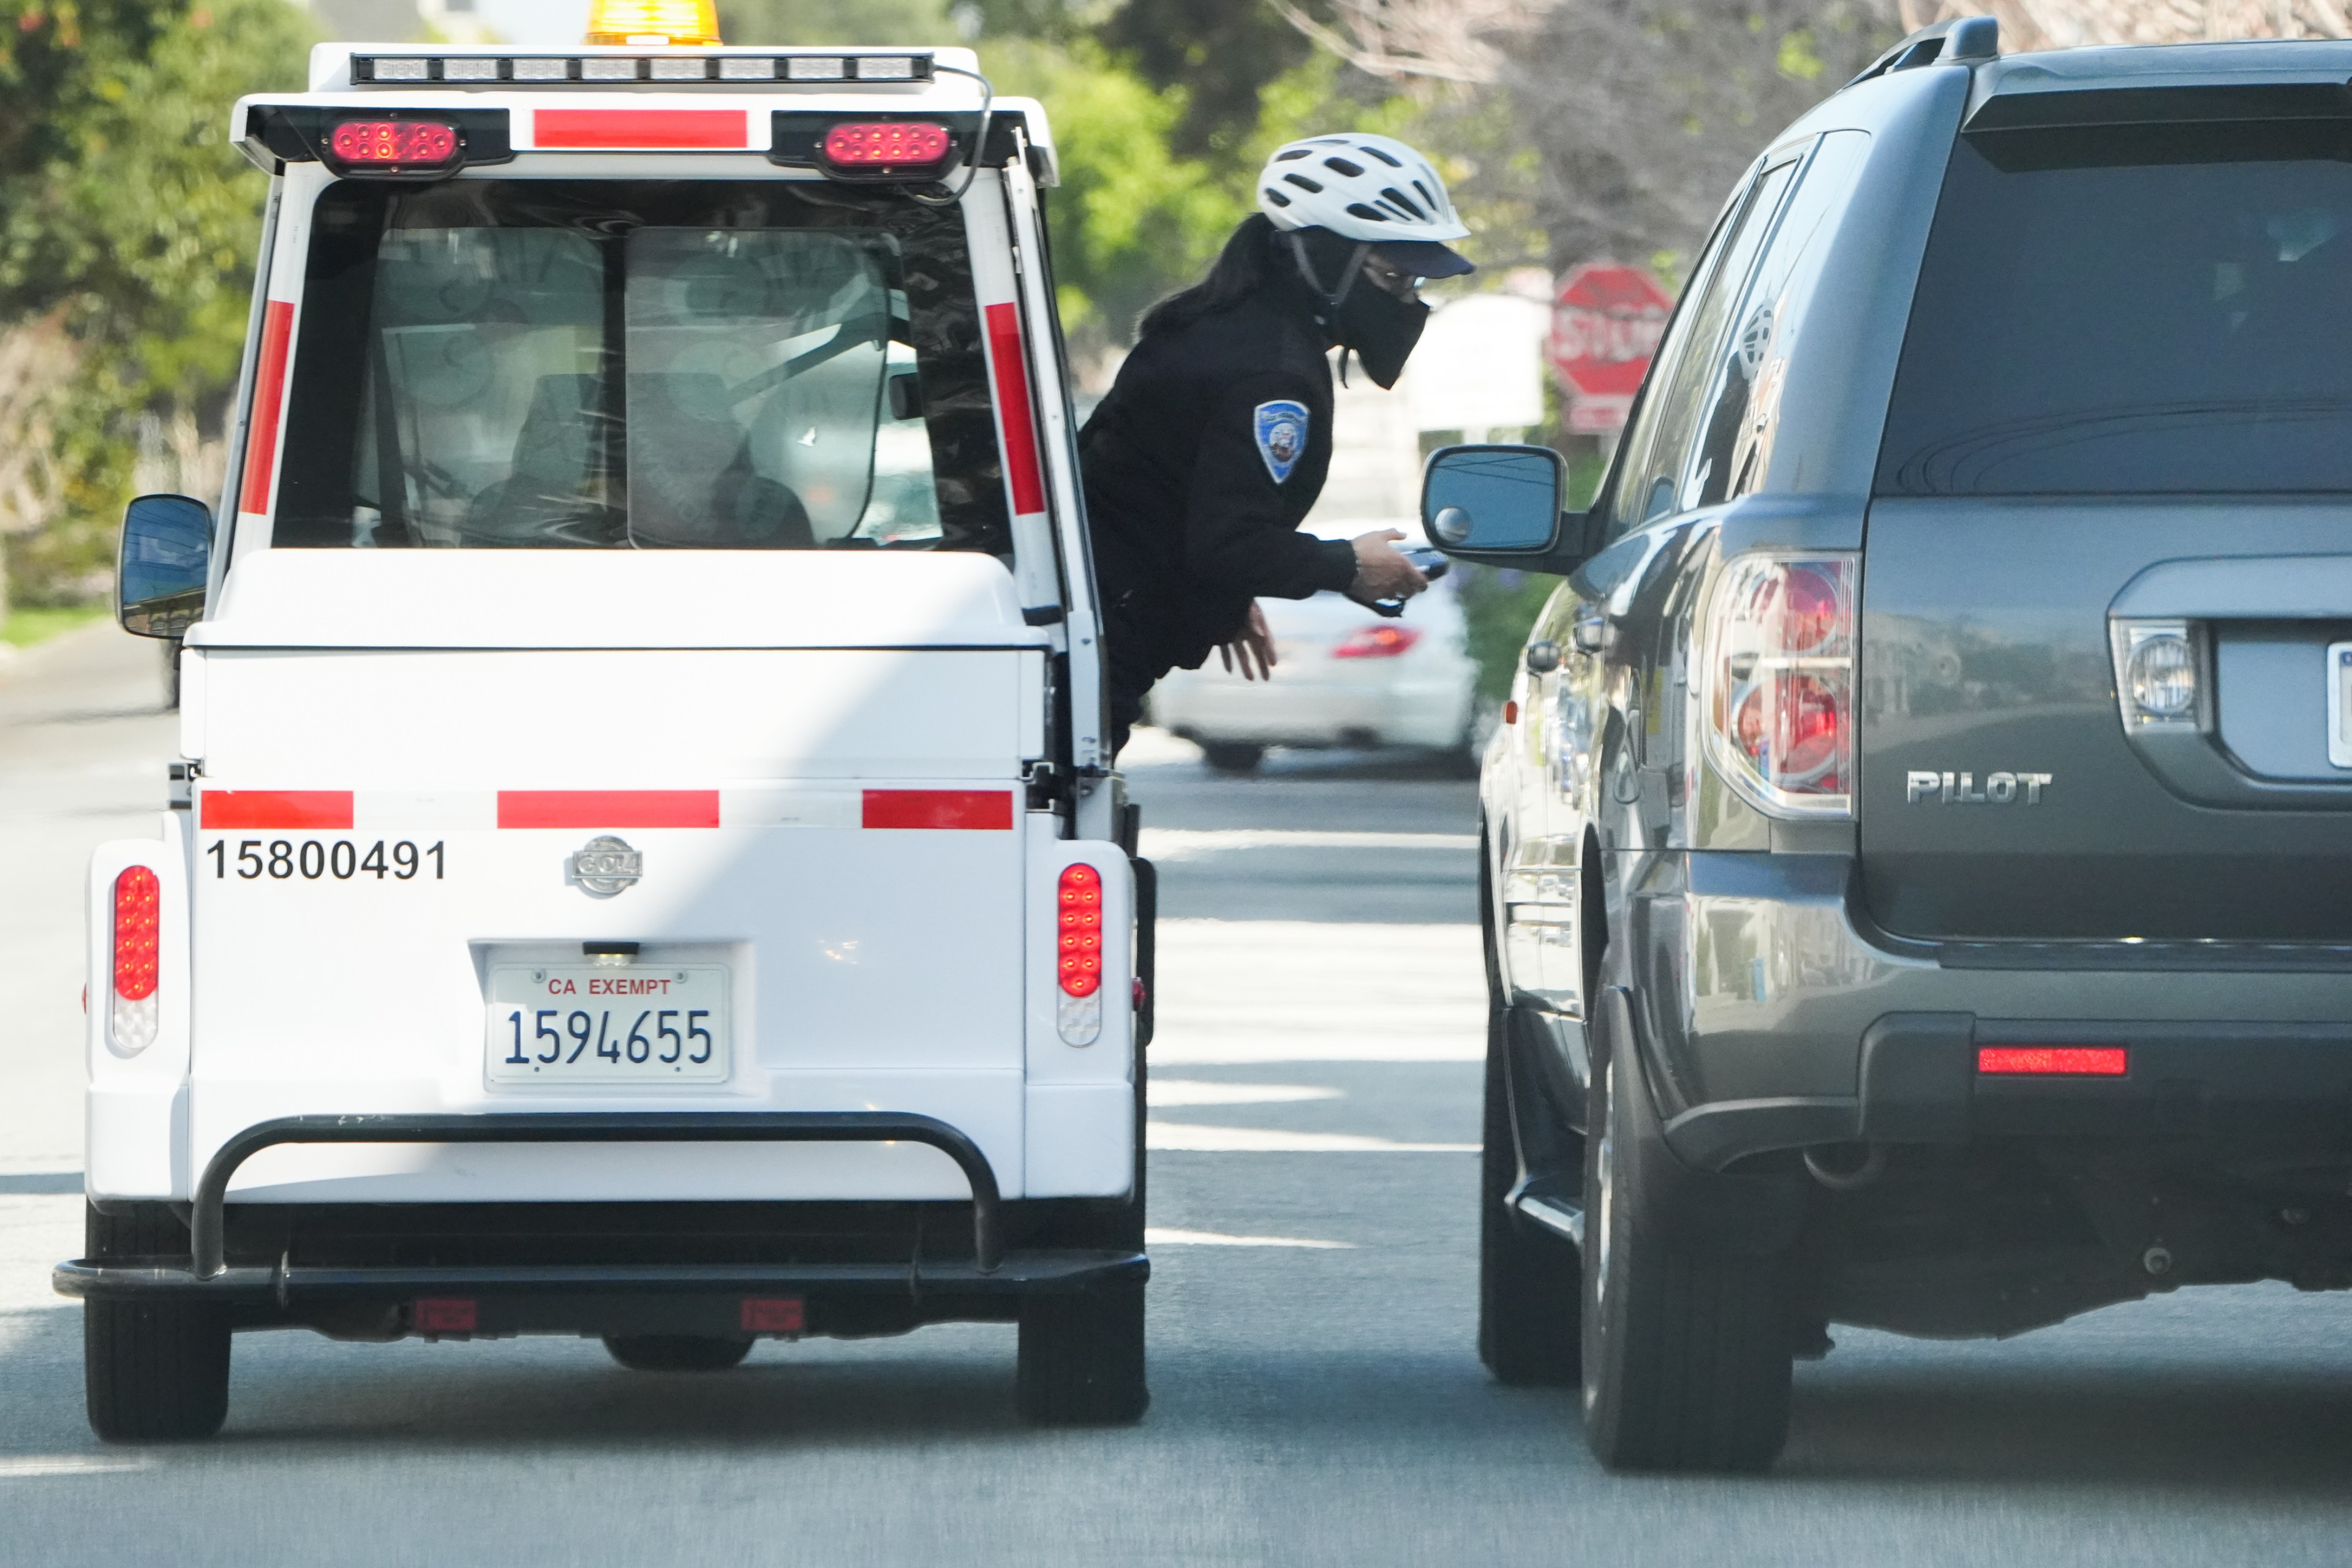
[{"x": 1372, "y": 189}]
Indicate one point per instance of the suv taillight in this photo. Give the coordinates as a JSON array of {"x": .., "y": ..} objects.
[
  {"x": 133, "y": 1015},
  {"x": 1777, "y": 681}
]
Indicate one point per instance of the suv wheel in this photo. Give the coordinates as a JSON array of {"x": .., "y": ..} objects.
[
  {"x": 1231, "y": 756},
  {"x": 1082, "y": 1358},
  {"x": 1686, "y": 1354},
  {"x": 676, "y": 1352},
  {"x": 1528, "y": 1290},
  {"x": 150, "y": 1370}
]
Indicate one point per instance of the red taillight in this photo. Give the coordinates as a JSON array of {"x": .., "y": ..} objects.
[
  {"x": 138, "y": 933},
  {"x": 393, "y": 143},
  {"x": 1777, "y": 669},
  {"x": 2055, "y": 1061},
  {"x": 1384, "y": 641},
  {"x": 774, "y": 1315},
  {"x": 878, "y": 146},
  {"x": 1079, "y": 930}
]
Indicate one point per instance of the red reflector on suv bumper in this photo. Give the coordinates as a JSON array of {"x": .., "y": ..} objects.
[{"x": 2055, "y": 1061}]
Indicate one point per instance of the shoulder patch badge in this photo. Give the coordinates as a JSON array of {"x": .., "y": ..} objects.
[{"x": 1281, "y": 430}]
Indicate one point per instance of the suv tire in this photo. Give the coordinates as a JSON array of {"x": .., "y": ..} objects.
[
  {"x": 1686, "y": 1352},
  {"x": 1530, "y": 1290},
  {"x": 1082, "y": 1359},
  {"x": 676, "y": 1352},
  {"x": 1231, "y": 756},
  {"x": 150, "y": 1370}
]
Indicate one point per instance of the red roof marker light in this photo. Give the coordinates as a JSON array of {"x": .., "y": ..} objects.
[
  {"x": 393, "y": 143},
  {"x": 885, "y": 146}
]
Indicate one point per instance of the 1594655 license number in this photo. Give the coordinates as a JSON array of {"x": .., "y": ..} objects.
[{"x": 312, "y": 859}]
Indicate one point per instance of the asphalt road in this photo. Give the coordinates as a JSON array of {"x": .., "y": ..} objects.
[{"x": 1315, "y": 1399}]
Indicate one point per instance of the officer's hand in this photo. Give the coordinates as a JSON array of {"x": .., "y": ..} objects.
[
  {"x": 1381, "y": 572},
  {"x": 1255, "y": 642}
]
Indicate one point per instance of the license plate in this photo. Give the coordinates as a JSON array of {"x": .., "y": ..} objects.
[
  {"x": 573, "y": 1023},
  {"x": 2339, "y": 704}
]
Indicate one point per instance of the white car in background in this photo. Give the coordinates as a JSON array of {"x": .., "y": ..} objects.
[{"x": 1344, "y": 676}]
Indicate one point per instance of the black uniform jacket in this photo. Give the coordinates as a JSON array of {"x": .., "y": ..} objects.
[{"x": 1196, "y": 479}]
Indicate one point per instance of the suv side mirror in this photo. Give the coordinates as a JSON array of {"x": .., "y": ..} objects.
[
  {"x": 1500, "y": 506},
  {"x": 167, "y": 552}
]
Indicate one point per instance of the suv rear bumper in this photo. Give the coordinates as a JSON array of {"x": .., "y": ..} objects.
[{"x": 1776, "y": 1023}]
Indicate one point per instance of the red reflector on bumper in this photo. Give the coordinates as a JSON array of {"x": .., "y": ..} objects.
[
  {"x": 969, "y": 809},
  {"x": 445, "y": 1315},
  {"x": 325, "y": 809},
  {"x": 608, "y": 808},
  {"x": 773, "y": 1315},
  {"x": 2055, "y": 1061}
]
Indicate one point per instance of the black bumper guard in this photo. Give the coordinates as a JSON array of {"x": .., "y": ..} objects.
[{"x": 988, "y": 1271}]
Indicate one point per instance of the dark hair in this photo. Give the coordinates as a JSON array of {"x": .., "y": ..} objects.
[{"x": 1241, "y": 269}]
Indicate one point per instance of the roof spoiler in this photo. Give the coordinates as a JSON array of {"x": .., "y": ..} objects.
[
  {"x": 2189, "y": 103},
  {"x": 1958, "y": 41}
]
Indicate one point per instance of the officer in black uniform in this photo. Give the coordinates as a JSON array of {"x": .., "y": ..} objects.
[{"x": 1213, "y": 442}]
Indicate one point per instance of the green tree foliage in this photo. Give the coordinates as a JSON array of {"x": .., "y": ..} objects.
[
  {"x": 125, "y": 213},
  {"x": 779, "y": 21}
]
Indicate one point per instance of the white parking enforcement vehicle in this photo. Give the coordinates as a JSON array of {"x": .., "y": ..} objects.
[{"x": 646, "y": 863}]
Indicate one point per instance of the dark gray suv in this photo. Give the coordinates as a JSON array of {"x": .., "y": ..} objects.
[{"x": 1918, "y": 852}]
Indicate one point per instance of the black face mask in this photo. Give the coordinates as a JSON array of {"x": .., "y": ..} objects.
[
  {"x": 1381, "y": 328},
  {"x": 1377, "y": 326}
]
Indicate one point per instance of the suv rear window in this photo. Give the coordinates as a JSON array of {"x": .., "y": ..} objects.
[
  {"x": 516, "y": 363},
  {"x": 2133, "y": 310}
]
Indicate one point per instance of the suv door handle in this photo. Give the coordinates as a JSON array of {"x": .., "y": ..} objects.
[{"x": 1590, "y": 633}]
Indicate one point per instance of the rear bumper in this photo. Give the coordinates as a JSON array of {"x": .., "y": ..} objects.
[
  {"x": 1290, "y": 711},
  {"x": 1776, "y": 1023},
  {"x": 722, "y": 1300}
]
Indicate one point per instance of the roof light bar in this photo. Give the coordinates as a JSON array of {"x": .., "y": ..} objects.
[{"x": 675, "y": 68}]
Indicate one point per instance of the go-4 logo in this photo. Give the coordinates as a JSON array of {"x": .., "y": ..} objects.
[{"x": 1960, "y": 789}]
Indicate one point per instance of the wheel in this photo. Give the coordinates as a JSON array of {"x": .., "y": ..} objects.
[
  {"x": 1082, "y": 1359},
  {"x": 150, "y": 1370},
  {"x": 1231, "y": 756},
  {"x": 1529, "y": 1289},
  {"x": 676, "y": 1352},
  {"x": 1686, "y": 1353}
]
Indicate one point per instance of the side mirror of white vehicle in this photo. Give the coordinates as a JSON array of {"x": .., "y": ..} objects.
[
  {"x": 1500, "y": 506},
  {"x": 159, "y": 581}
]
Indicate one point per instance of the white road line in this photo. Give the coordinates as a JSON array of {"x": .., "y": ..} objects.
[
  {"x": 1216, "y": 1238},
  {"x": 1191, "y": 1137},
  {"x": 1185, "y": 843},
  {"x": 27, "y": 1466},
  {"x": 1197, "y": 1092}
]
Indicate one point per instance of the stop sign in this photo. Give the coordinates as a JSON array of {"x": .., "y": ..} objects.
[{"x": 1605, "y": 324}]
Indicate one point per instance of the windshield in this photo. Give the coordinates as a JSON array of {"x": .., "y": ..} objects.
[
  {"x": 2136, "y": 310},
  {"x": 608, "y": 364}
]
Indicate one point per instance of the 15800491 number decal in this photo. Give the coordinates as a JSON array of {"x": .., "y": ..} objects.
[{"x": 282, "y": 860}]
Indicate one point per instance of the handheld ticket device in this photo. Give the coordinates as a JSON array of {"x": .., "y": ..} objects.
[{"x": 646, "y": 861}]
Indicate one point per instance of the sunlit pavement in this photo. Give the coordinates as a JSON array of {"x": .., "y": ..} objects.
[{"x": 1316, "y": 1398}]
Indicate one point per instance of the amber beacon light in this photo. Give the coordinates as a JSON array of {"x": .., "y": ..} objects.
[{"x": 653, "y": 22}]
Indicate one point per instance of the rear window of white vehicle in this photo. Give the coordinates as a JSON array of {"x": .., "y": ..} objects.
[{"x": 682, "y": 364}]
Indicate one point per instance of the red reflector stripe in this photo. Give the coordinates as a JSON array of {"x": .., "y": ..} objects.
[
  {"x": 976, "y": 809},
  {"x": 722, "y": 128},
  {"x": 268, "y": 399},
  {"x": 608, "y": 808},
  {"x": 2075, "y": 1062},
  {"x": 288, "y": 808},
  {"x": 1013, "y": 410}
]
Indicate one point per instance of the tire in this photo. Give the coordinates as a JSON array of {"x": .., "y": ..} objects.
[
  {"x": 676, "y": 1352},
  {"x": 1686, "y": 1353},
  {"x": 151, "y": 1370},
  {"x": 1082, "y": 1359},
  {"x": 1529, "y": 1285},
  {"x": 1231, "y": 756}
]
